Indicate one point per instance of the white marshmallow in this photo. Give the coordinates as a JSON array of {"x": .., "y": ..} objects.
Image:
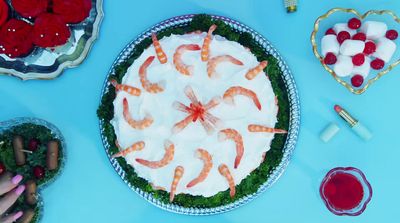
[
  {"x": 339, "y": 27},
  {"x": 329, "y": 43},
  {"x": 373, "y": 29},
  {"x": 385, "y": 49},
  {"x": 344, "y": 66},
  {"x": 352, "y": 47},
  {"x": 364, "y": 69}
]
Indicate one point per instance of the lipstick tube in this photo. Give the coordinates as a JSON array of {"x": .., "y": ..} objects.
[
  {"x": 357, "y": 127},
  {"x": 290, "y": 5}
]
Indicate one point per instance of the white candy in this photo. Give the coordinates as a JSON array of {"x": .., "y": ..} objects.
[
  {"x": 374, "y": 30},
  {"x": 339, "y": 27},
  {"x": 352, "y": 47},
  {"x": 344, "y": 66},
  {"x": 385, "y": 49},
  {"x": 329, "y": 43},
  {"x": 364, "y": 69}
]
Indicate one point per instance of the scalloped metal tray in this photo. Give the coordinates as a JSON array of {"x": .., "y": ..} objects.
[
  {"x": 46, "y": 64},
  {"x": 293, "y": 126}
]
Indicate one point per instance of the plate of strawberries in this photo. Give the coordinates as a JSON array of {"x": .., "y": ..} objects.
[{"x": 40, "y": 38}]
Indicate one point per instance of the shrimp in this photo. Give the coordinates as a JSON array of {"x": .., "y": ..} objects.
[
  {"x": 234, "y": 135},
  {"x": 168, "y": 157},
  {"x": 213, "y": 103},
  {"x": 213, "y": 62},
  {"x": 205, "y": 50},
  {"x": 237, "y": 90},
  {"x": 153, "y": 88},
  {"x": 162, "y": 57},
  {"x": 208, "y": 164},
  {"x": 179, "y": 65},
  {"x": 179, "y": 170},
  {"x": 260, "y": 128},
  {"x": 128, "y": 89},
  {"x": 196, "y": 32},
  {"x": 155, "y": 187},
  {"x": 252, "y": 73},
  {"x": 140, "y": 124},
  {"x": 123, "y": 152},
  {"x": 224, "y": 171},
  {"x": 178, "y": 127}
]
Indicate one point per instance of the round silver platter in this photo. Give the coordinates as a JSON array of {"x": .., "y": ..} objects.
[
  {"x": 46, "y": 64},
  {"x": 6, "y": 125},
  {"x": 294, "y": 124}
]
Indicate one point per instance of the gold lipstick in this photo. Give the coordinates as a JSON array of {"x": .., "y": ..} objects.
[
  {"x": 290, "y": 5},
  {"x": 355, "y": 125}
]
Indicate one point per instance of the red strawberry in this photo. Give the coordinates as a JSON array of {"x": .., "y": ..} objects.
[
  {"x": 358, "y": 59},
  {"x": 354, "y": 23},
  {"x": 72, "y": 11},
  {"x": 342, "y": 36},
  {"x": 370, "y": 48},
  {"x": 330, "y": 59},
  {"x": 15, "y": 38},
  {"x": 30, "y": 8},
  {"x": 50, "y": 31},
  {"x": 330, "y": 32},
  {"x": 377, "y": 64},
  {"x": 3, "y": 12},
  {"x": 392, "y": 34},
  {"x": 357, "y": 80},
  {"x": 360, "y": 36}
]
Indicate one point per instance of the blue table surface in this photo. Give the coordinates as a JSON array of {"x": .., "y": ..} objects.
[{"x": 89, "y": 189}]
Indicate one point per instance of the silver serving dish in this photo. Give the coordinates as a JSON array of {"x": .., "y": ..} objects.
[
  {"x": 5, "y": 125},
  {"x": 293, "y": 126},
  {"x": 46, "y": 64}
]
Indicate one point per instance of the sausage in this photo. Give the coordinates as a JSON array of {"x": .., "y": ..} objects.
[
  {"x": 27, "y": 216},
  {"x": 52, "y": 155},
  {"x": 19, "y": 155},
  {"x": 30, "y": 192}
]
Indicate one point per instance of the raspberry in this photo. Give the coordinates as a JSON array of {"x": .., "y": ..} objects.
[
  {"x": 360, "y": 36},
  {"x": 358, "y": 59},
  {"x": 2, "y": 168},
  {"x": 370, "y": 48},
  {"x": 330, "y": 32},
  {"x": 39, "y": 172},
  {"x": 357, "y": 80},
  {"x": 392, "y": 34},
  {"x": 33, "y": 144},
  {"x": 354, "y": 23},
  {"x": 377, "y": 64},
  {"x": 330, "y": 59},
  {"x": 342, "y": 36}
]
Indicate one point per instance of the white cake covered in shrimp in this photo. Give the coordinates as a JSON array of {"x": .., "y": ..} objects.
[
  {"x": 195, "y": 114},
  {"x": 354, "y": 48}
]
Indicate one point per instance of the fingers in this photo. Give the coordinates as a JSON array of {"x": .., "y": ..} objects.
[
  {"x": 12, "y": 217},
  {"x": 7, "y": 183},
  {"x": 10, "y": 198}
]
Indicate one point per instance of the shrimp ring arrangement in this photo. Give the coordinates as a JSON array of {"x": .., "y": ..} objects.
[{"x": 198, "y": 117}]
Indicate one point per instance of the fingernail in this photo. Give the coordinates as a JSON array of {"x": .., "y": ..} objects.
[
  {"x": 15, "y": 180},
  {"x": 20, "y": 189},
  {"x": 18, "y": 215}
]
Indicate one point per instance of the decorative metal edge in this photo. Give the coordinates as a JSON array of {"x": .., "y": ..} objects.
[
  {"x": 290, "y": 143},
  {"x": 4, "y": 125},
  {"x": 362, "y": 17},
  {"x": 66, "y": 64}
]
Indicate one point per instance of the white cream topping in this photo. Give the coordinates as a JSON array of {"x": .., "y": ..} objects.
[{"x": 237, "y": 116}]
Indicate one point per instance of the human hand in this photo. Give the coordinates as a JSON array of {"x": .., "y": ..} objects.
[{"x": 9, "y": 193}]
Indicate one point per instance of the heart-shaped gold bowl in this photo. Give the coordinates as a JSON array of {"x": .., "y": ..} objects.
[{"x": 386, "y": 16}]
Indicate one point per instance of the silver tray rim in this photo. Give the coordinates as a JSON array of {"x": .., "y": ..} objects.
[{"x": 294, "y": 123}]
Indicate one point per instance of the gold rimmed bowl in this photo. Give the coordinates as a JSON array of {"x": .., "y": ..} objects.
[{"x": 342, "y": 15}]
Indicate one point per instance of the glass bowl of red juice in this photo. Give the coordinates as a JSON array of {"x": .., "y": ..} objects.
[{"x": 346, "y": 191}]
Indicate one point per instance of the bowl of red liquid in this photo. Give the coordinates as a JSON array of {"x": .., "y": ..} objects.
[{"x": 346, "y": 191}]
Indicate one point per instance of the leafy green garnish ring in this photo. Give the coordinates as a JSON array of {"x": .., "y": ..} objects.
[{"x": 281, "y": 147}]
